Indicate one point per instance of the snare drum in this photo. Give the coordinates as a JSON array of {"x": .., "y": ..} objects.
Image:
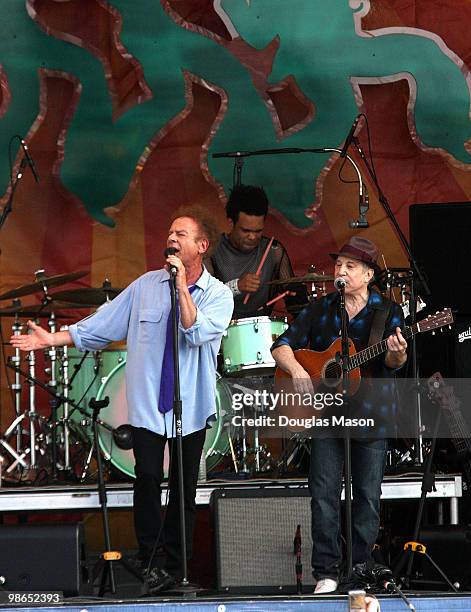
[
  {"x": 246, "y": 345},
  {"x": 116, "y": 413}
]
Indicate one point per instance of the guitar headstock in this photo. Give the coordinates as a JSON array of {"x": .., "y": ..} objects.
[
  {"x": 439, "y": 391},
  {"x": 435, "y": 321}
]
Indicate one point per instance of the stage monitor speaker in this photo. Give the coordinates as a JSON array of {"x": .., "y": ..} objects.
[
  {"x": 450, "y": 547},
  {"x": 254, "y": 538},
  {"x": 440, "y": 237},
  {"x": 43, "y": 557}
]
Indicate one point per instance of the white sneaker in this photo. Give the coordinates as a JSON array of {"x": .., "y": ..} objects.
[{"x": 325, "y": 585}]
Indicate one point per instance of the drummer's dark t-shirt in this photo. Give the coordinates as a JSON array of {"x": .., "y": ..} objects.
[{"x": 229, "y": 263}]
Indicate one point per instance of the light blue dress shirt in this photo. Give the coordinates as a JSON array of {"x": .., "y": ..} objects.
[{"x": 139, "y": 314}]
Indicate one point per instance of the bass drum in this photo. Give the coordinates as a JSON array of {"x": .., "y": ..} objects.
[
  {"x": 217, "y": 443},
  {"x": 91, "y": 370}
]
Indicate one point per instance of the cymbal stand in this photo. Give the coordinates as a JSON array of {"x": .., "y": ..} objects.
[
  {"x": 66, "y": 384},
  {"x": 65, "y": 403},
  {"x": 58, "y": 398},
  {"x": 19, "y": 459},
  {"x": 17, "y": 387},
  {"x": 32, "y": 414},
  {"x": 52, "y": 384}
]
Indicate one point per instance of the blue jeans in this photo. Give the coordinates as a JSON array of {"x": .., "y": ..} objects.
[{"x": 325, "y": 484}]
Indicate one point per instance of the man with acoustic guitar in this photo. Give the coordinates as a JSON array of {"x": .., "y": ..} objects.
[{"x": 371, "y": 318}]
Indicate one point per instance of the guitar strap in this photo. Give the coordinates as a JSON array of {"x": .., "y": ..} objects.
[{"x": 379, "y": 320}]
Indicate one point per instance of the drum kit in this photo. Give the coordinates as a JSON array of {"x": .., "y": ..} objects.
[
  {"x": 63, "y": 441},
  {"x": 32, "y": 442}
]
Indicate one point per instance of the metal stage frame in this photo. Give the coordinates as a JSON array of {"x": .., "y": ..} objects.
[{"x": 85, "y": 497}]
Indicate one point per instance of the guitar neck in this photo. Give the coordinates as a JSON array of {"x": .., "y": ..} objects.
[{"x": 374, "y": 350}]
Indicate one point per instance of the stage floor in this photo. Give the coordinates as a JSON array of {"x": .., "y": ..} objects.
[{"x": 422, "y": 602}]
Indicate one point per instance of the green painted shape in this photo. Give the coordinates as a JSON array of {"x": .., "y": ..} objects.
[{"x": 318, "y": 45}]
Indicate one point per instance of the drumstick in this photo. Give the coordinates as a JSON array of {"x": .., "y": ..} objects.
[
  {"x": 275, "y": 299},
  {"x": 260, "y": 265}
]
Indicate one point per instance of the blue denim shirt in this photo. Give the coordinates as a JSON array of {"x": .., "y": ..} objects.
[{"x": 139, "y": 314}]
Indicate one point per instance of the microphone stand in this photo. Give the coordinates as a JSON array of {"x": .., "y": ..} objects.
[
  {"x": 184, "y": 586},
  {"x": 416, "y": 274},
  {"x": 14, "y": 184},
  {"x": 345, "y": 360},
  {"x": 237, "y": 155},
  {"x": 345, "y": 342}
]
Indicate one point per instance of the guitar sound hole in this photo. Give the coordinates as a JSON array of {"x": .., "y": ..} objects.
[{"x": 333, "y": 372}]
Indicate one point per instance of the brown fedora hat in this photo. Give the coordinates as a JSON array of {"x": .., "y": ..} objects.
[{"x": 361, "y": 249}]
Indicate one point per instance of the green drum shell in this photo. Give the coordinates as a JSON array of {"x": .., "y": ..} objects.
[
  {"x": 246, "y": 345},
  {"x": 115, "y": 414},
  {"x": 86, "y": 384}
]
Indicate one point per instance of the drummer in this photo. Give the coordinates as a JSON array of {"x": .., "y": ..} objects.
[{"x": 239, "y": 253}]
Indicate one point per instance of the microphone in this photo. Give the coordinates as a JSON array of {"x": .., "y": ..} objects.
[
  {"x": 171, "y": 251},
  {"x": 231, "y": 154},
  {"x": 350, "y": 135},
  {"x": 339, "y": 284},
  {"x": 385, "y": 578},
  {"x": 29, "y": 159},
  {"x": 363, "y": 207}
]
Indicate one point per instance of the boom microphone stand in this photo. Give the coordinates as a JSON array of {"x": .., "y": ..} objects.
[{"x": 416, "y": 274}]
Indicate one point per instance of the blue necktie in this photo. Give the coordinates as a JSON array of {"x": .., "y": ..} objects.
[{"x": 167, "y": 377}]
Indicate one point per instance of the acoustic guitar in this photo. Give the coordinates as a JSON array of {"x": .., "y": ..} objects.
[{"x": 325, "y": 367}]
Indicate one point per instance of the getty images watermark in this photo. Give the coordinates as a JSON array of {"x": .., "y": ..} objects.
[
  {"x": 377, "y": 408},
  {"x": 301, "y": 406}
]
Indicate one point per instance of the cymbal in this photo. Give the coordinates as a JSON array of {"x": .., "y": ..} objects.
[
  {"x": 49, "y": 281},
  {"x": 34, "y": 311},
  {"x": 307, "y": 278},
  {"x": 88, "y": 295}
]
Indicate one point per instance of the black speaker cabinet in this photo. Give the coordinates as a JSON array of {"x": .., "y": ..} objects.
[
  {"x": 450, "y": 548},
  {"x": 440, "y": 241},
  {"x": 42, "y": 557},
  {"x": 254, "y": 538}
]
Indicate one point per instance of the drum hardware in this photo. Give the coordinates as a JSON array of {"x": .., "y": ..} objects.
[
  {"x": 89, "y": 295},
  {"x": 313, "y": 291},
  {"x": 19, "y": 456},
  {"x": 16, "y": 387},
  {"x": 39, "y": 311},
  {"x": 42, "y": 283},
  {"x": 391, "y": 278},
  {"x": 52, "y": 425},
  {"x": 246, "y": 345},
  {"x": 310, "y": 277},
  {"x": 251, "y": 455},
  {"x": 296, "y": 448},
  {"x": 217, "y": 443}
]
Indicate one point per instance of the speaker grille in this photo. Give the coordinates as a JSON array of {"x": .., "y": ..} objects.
[{"x": 254, "y": 538}]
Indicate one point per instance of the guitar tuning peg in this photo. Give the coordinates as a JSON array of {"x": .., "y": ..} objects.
[
  {"x": 433, "y": 333},
  {"x": 441, "y": 329}
]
